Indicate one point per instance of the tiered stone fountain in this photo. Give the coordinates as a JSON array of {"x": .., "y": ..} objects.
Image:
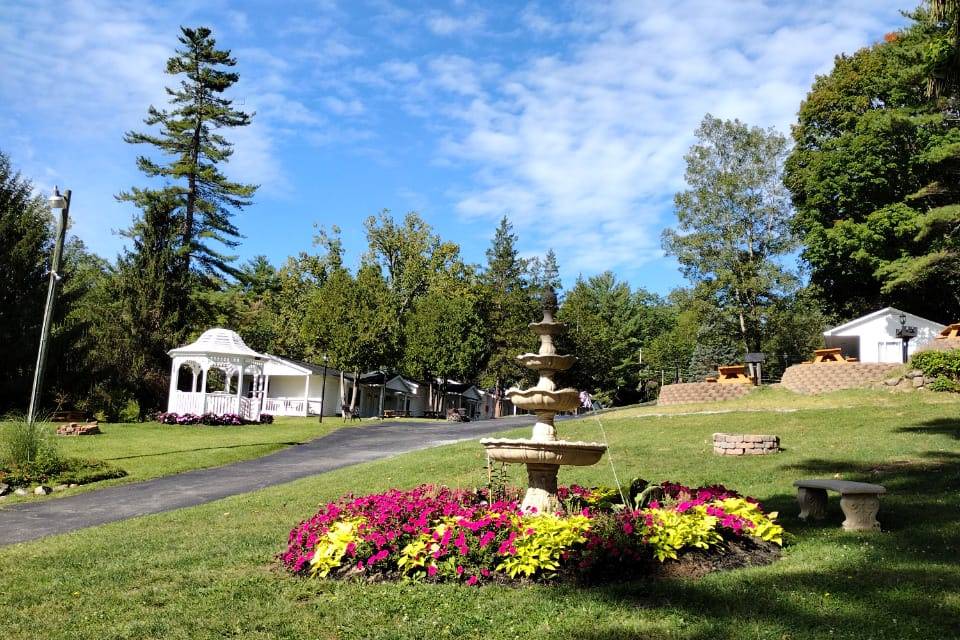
[{"x": 543, "y": 453}]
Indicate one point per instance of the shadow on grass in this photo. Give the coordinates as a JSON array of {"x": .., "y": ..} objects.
[
  {"x": 231, "y": 446},
  {"x": 944, "y": 426},
  {"x": 901, "y": 583}
]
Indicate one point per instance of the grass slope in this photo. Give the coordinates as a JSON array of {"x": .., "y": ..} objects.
[
  {"x": 149, "y": 449},
  {"x": 207, "y": 572}
]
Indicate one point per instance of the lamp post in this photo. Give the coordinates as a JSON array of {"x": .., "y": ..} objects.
[
  {"x": 383, "y": 388},
  {"x": 323, "y": 386},
  {"x": 61, "y": 202},
  {"x": 905, "y": 333}
]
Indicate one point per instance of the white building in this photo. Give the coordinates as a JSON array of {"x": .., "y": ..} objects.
[
  {"x": 219, "y": 373},
  {"x": 873, "y": 337}
]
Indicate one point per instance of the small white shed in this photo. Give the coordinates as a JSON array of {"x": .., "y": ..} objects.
[{"x": 873, "y": 337}]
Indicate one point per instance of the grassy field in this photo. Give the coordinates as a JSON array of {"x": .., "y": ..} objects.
[
  {"x": 148, "y": 450},
  {"x": 208, "y": 571}
]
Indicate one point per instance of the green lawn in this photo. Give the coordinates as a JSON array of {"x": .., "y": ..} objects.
[
  {"x": 148, "y": 450},
  {"x": 208, "y": 571}
]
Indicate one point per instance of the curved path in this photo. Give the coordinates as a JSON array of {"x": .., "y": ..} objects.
[{"x": 342, "y": 448}]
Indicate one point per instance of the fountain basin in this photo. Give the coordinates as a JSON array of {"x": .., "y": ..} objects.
[
  {"x": 556, "y": 452},
  {"x": 551, "y": 363},
  {"x": 543, "y": 400}
]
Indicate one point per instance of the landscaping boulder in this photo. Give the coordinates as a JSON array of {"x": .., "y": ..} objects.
[
  {"x": 4, "y": 489},
  {"x": 43, "y": 490},
  {"x": 21, "y": 492}
]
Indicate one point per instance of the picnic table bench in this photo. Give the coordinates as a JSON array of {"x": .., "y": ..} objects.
[
  {"x": 860, "y": 502},
  {"x": 733, "y": 374},
  {"x": 69, "y": 416},
  {"x": 950, "y": 331}
]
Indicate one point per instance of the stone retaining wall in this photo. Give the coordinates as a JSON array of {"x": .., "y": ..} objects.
[
  {"x": 823, "y": 377},
  {"x": 686, "y": 392},
  {"x": 742, "y": 444}
]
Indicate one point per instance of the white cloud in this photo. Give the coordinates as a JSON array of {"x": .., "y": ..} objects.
[
  {"x": 444, "y": 24},
  {"x": 587, "y": 148}
]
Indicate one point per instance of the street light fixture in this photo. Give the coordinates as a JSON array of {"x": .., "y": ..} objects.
[
  {"x": 62, "y": 203},
  {"x": 905, "y": 333}
]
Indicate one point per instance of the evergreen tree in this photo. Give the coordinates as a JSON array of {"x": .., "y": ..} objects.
[
  {"x": 189, "y": 136},
  {"x": 508, "y": 307},
  {"x": 26, "y": 237}
]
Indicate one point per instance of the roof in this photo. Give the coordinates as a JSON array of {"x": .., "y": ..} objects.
[
  {"x": 302, "y": 367},
  {"x": 217, "y": 341},
  {"x": 886, "y": 311}
]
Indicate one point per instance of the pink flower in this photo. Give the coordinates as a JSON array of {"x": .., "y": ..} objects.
[
  {"x": 431, "y": 571},
  {"x": 472, "y": 580},
  {"x": 459, "y": 570}
]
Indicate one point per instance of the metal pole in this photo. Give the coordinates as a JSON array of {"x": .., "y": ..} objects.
[
  {"x": 323, "y": 387},
  {"x": 383, "y": 389},
  {"x": 48, "y": 310}
]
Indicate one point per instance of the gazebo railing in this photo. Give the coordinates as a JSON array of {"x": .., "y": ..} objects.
[{"x": 283, "y": 406}]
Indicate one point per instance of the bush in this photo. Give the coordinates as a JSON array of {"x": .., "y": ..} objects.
[
  {"x": 28, "y": 446},
  {"x": 938, "y": 363},
  {"x": 945, "y": 384},
  {"x": 435, "y": 533},
  {"x": 130, "y": 412}
]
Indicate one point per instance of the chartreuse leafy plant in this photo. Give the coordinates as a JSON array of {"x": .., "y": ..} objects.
[
  {"x": 545, "y": 538},
  {"x": 668, "y": 531},
  {"x": 334, "y": 545}
]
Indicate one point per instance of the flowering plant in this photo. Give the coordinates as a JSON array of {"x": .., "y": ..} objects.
[
  {"x": 436, "y": 533},
  {"x": 215, "y": 419}
]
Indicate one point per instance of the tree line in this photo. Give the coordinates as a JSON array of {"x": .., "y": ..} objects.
[{"x": 865, "y": 193}]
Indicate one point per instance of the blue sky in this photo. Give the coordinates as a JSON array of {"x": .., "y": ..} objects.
[{"x": 571, "y": 118}]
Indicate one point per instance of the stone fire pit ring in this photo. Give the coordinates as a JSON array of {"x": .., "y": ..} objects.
[{"x": 745, "y": 444}]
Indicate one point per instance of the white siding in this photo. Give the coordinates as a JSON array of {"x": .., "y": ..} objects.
[
  {"x": 293, "y": 387},
  {"x": 878, "y": 334}
]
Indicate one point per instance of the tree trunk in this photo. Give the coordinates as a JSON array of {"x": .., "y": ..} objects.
[
  {"x": 356, "y": 392},
  {"x": 343, "y": 414}
]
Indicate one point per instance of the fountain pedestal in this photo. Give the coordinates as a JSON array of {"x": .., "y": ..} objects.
[{"x": 543, "y": 453}]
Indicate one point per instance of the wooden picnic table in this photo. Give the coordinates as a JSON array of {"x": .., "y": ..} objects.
[
  {"x": 828, "y": 355},
  {"x": 733, "y": 374},
  {"x": 950, "y": 331}
]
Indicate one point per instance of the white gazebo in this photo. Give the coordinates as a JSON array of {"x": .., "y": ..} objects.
[{"x": 242, "y": 369}]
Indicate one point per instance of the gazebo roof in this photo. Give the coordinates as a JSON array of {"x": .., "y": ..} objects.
[{"x": 217, "y": 342}]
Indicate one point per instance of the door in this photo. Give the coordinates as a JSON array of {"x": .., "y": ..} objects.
[{"x": 890, "y": 351}]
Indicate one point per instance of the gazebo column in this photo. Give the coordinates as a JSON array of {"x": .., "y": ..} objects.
[
  {"x": 203, "y": 387},
  {"x": 306, "y": 394},
  {"x": 239, "y": 387},
  {"x": 174, "y": 378},
  {"x": 193, "y": 383}
]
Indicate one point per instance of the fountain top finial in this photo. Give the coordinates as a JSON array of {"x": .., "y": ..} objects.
[{"x": 549, "y": 300}]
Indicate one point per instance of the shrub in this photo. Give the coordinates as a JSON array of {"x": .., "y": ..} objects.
[
  {"x": 436, "y": 533},
  {"x": 27, "y": 445},
  {"x": 938, "y": 363},
  {"x": 943, "y": 383}
]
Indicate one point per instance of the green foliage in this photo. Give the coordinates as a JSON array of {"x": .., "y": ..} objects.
[
  {"x": 944, "y": 384},
  {"x": 28, "y": 445},
  {"x": 938, "y": 363},
  {"x": 874, "y": 175},
  {"x": 734, "y": 222},
  {"x": 189, "y": 133},
  {"x": 608, "y": 325},
  {"x": 443, "y": 336},
  {"x": 544, "y": 538},
  {"x": 668, "y": 531},
  {"x": 26, "y": 237},
  {"x": 509, "y": 304}
]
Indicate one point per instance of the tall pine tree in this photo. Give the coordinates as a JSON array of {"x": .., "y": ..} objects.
[{"x": 189, "y": 136}]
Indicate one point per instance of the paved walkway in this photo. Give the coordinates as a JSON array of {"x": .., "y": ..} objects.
[{"x": 342, "y": 448}]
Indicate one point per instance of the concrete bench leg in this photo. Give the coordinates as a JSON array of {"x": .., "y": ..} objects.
[
  {"x": 813, "y": 503},
  {"x": 861, "y": 511}
]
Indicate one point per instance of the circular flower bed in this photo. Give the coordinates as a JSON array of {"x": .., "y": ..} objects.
[{"x": 436, "y": 533}]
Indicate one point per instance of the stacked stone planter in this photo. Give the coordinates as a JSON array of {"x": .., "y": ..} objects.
[
  {"x": 823, "y": 377},
  {"x": 742, "y": 444},
  {"x": 909, "y": 381},
  {"x": 689, "y": 392}
]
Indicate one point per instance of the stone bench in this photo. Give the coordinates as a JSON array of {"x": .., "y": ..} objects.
[{"x": 860, "y": 502}]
